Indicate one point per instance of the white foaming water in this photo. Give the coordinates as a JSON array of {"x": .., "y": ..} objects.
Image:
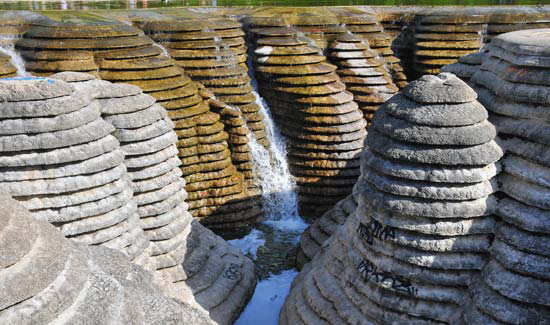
[
  {"x": 8, "y": 48},
  {"x": 280, "y": 201},
  {"x": 250, "y": 243},
  {"x": 163, "y": 49}
]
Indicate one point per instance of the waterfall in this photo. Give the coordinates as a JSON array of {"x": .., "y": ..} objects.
[
  {"x": 280, "y": 201},
  {"x": 8, "y": 48}
]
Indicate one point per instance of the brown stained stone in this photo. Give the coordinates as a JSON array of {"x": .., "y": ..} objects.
[
  {"x": 320, "y": 90},
  {"x": 237, "y": 80},
  {"x": 268, "y": 50},
  {"x": 303, "y": 80},
  {"x": 290, "y": 60},
  {"x": 55, "y": 66},
  {"x": 6, "y": 68},
  {"x": 321, "y": 68},
  {"x": 125, "y": 75}
]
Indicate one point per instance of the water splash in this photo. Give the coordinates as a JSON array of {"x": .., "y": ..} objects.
[
  {"x": 250, "y": 243},
  {"x": 163, "y": 49},
  {"x": 280, "y": 201},
  {"x": 16, "y": 59}
]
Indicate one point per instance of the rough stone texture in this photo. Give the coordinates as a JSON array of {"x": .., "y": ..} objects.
[
  {"x": 85, "y": 195},
  {"x": 363, "y": 72},
  {"x": 159, "y": 191},
  {"x": 120, "y": 53},
  {"x": 46, "y": 278},
  {"x": 7, "y": 69},
  {"x": 513, "y": 87},
  {"x": 219, "y": 63},
  {"x": 323, "y": 125},
  {"x": 420, "y": 232}
]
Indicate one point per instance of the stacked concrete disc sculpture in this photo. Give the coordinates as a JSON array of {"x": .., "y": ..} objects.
[
  {"x": 121, "y": 53},
  {"x": 504, "y": 20},
  {"x": 322, "y": 229},
  {"x": 366, "y": 25},
  {"x": 319, "y": 24},
  {"x": 444, "y": 35},
  {"x": 324, "y": 127},
  {"x": 423, "y": 223},
  {"x": 513, "y": 83},
  {"x": 7, "y": 69},
  {"x": 364, "y": 73},
  {"x": 467, "y": 65},
  {"x": 213, "y": 53},
  {"x": 46, "y": 278},
  {"x": 180, "y": 247},
  {"x": 59, "y": 159}
]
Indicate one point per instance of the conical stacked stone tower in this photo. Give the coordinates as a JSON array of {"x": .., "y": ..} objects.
[
  {"x": 313, "y": 238},
  {"x": 366, "y": 25},
  {"x": 423, "y": 225},
  {"x": 121, "y": 53},
  {"x": 213, "y": 53},
  {"x": 46, "y": 278},
  {"x": 175, "y": 246},
  {"x": 513, "y": 84},
  {"x": 324, "y": 126},
  {"x": 443, "y": 35},
  {"x": 6, "y": 67},
  {"x": 466, "y": 66},
  {"x": 59, "y": 159},
  {"x": 363, "y": 72}
]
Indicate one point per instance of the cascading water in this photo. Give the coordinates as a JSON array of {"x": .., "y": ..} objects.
[
  {"x": 7, "y": 47},
  {"x": 163, "y": 49},
  {"x": 279, "y": 234}
]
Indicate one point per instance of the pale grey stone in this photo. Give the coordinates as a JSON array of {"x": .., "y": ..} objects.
[
  {"x": 137, "y": 119},
  {"x": 86, "y": 209},
  {"x": 532, "y": 151},
  {"x": 64, "y": 184},
  {"x": 526, "y": 192},
  {"x": 525, "y": 59},
  {"x": 531, "y": 242},
  {"x": 504, "y": 309},
  {"x": 45, "y": 108},
  {"x": 402, "y": 130},
  {"x": 530, "y": 42},
  {"x": 32, "y": 88},
  {"x": 441, "y": 114},
  {"x": 516, "y": 74},
  {"x": 483, "y": 154},
  {"x": 429, "y": 190},
  {"x": 70, "y": 199},
  {"x": 159, "y": 220},
  {"x": 92, "y": 165},
  {"x": 443, "y": 88},
  {"x": 60, "y": 122},
  {"x": 428, "y": 208},
  {"x": 154, "y": 170},
  {"x": 524, "y": 216},
  {"x": 150, "y": 159},
  {"x": 149, "y": 146},
  {"x": 532, "y": 130},
  {"x": 127, "y": 104},
  {"x": 157, "y": 182},
  {"x": 515, "y": 260},
  {"x": 160, "y": 194},
  {"x": 71, "y": 76},
  {"x": 58, "y": 156},
  {"x": 526, "y": 170},
  {"x": 101, "y": 221},
  {"x": 515, "y": 91},
  {"x": 432, "y": 173},
  {"x": 508, "y": 107},
  {"x": 147, "y": 132},
  {"x": 526, "y": 289},
  {"x": 59, "y": 139}
]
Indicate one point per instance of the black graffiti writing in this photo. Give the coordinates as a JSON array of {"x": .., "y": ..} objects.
[
  {"x": 369, "y": 271},
  {"x": 233, "y": 272},
  {"x": 375, "y": 229}
]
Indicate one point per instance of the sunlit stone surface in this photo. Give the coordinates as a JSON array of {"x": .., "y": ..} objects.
[{"x": 423, "y": 224}]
